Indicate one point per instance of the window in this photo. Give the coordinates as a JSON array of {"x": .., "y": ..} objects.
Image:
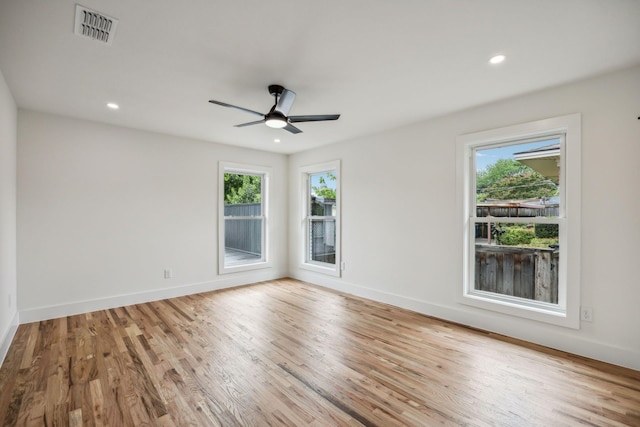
[
  {"x": 243, "y": 217},
  {"x": 520, "y": 193},
  {"x": 321, "y": 223}
]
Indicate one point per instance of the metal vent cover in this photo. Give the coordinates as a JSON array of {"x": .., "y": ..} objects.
[{"x": 95, "y": 25}]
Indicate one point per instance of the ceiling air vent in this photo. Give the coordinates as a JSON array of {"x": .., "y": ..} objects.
[{"x": 95, "y": 25}]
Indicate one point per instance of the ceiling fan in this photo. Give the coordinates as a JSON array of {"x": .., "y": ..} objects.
[{"x": 277, "y": 116}]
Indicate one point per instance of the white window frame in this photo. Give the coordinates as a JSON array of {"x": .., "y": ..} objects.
[
  {"x": 307, "y": 264},
  {"x": 265, "y": 173},
  {"x": 567, "y": 312}
]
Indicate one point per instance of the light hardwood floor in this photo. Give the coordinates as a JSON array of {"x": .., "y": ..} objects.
[{"x": 292, "y": 354}]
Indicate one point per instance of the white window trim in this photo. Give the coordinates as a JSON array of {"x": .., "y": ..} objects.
[
  {"x": 229, "y": 167},
  {"x": 319, "y": 267},
  {"x": 567, "y": 312}
]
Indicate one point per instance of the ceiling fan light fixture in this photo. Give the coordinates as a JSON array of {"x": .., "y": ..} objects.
[{"x": 276, "y": 121}]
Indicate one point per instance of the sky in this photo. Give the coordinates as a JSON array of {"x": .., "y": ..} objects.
[
  {"x": 315, "y": 180},
  {"x": 489, "y": 156}
]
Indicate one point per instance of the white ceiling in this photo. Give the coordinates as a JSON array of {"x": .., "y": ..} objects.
[{"x": 380, "y": 63}]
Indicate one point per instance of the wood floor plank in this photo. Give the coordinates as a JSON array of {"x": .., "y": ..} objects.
[
  {"x": 286, "y": 353},
  {"x": 75, "y": 418}
]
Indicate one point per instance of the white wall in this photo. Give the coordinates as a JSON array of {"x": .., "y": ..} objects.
[
  {"x": 8, "y": 286},
  {"x": 400, "y": 227},
  {"x": 103, "y": 210}
]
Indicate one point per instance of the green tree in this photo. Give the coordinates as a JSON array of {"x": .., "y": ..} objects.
[
  {"x": 323, "y": 189},
  {"x": 510, "y": 179},
  {"x": 240, "y": 188}
]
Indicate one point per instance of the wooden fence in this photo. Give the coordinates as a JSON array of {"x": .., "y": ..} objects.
[
  {"x": 322, "y": 235},
  {"x": 530, "y": 273},
  {"x": 517, "y": 211},
  {"x": 243, "y": 234}
]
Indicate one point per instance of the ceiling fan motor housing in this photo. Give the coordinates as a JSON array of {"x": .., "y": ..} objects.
[{"x": 276, "y": 90}]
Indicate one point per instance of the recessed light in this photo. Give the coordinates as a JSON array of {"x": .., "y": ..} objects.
[
  {"x": 497, "y": 59},
  {"x": 277, "y": 141},
  {"x": 113, "y": 105}
]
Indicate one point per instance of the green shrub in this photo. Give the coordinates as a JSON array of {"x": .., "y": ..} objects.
[
  {"x": 542, "y": 243},
  {"x": 546, "y": 231},
  {"x": 514, "y": 236}
]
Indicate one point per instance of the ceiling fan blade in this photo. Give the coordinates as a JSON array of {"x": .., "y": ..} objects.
[
  {"x": 224, "y": 104},
  {"x": 285, "y": 101},
  {"x": 314, "y": 118},
  {"x": 257, "y": 122},
  {"x": 291, "y": 128}
]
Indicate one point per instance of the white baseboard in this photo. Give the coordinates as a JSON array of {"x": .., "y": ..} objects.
[
  {"x": 548, "y": 336},
  {"x": 79, "y": 307},
  {"x": 5, "y": 341}
]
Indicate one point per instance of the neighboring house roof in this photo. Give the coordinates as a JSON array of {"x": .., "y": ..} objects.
[
  {"x": 544, "y": 160},
  {"x": 540, "y": 150}
]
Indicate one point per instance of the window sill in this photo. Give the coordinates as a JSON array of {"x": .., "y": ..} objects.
[
  {"x": 527, "y": 309},
  {"x": 328, "y": 269},
  {"x": 244, "y": 267}
]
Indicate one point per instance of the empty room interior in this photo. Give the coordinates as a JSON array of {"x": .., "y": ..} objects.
[{"x": 320, "y": 213}]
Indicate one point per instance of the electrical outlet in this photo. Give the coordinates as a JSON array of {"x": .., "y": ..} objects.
[
  {"x": 586, "y": 314},
  {"x": 168, "y": 273}
]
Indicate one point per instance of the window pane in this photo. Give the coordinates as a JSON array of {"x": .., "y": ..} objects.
[
  {"x": 242, "y": 194},
  {"x": 518, "y": 180},
  {"x": 322, "y": 240},
  {"x": 242, "y": 237},
  {"x": 520, "y": 260},
  {"x": 323, "y": 194},
  {"x": 242, "y": 241}
]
